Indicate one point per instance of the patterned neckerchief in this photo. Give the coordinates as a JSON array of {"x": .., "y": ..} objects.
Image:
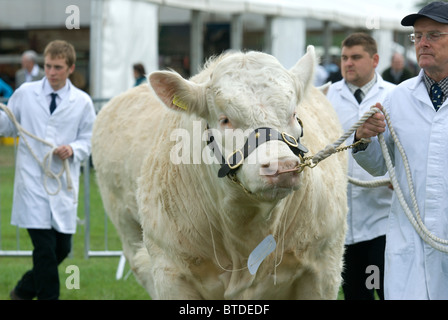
[{"x": 443, "y": 84}]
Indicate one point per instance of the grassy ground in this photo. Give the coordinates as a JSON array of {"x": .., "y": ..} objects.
[{"x": 97, "y": 275}]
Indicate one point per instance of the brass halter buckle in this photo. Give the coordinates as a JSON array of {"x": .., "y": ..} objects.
[
  {"x": 290, "y": 140},
  {"x": 240, "y": 162}
]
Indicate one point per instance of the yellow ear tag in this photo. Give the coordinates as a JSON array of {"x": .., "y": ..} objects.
[{"x": 180, "y": 104}]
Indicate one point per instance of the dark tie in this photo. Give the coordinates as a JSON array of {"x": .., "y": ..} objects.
[
  {"x": 53, "y": 102},
  {"x": 436, "y": 96},
  {"x": 358, "y": 95}
]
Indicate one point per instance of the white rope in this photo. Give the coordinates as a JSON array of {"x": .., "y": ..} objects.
[
  {"x": 330, "y": 149},
  {"x": 369, "y": 184},
  {"x": 416, "y": 221},
  {"x": 47, "y": 161}
]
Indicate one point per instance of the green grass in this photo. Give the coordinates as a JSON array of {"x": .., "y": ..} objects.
[{"x": 97, "y": 274}]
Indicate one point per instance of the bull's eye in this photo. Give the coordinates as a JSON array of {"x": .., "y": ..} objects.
[
  {"x": 296, "y": 117},
  {"x": 225, "y": 122}
]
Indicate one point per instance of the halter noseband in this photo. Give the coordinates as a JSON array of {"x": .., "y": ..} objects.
[{"x": 255, "y": 139}]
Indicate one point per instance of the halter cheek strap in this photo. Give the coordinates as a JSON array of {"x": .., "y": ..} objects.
[{"x": 255, "y": 139}]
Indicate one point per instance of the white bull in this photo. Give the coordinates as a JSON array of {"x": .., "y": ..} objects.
[{"x": 188, "y": 233}]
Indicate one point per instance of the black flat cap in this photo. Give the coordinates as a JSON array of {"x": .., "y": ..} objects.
[{"x": 437, "y": 11}]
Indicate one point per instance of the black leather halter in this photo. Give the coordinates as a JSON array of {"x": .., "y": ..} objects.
[{"x": 256, "y": 138}]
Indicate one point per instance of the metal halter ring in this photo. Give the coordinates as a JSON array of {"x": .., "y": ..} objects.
[{"x": 290, "y": 140}]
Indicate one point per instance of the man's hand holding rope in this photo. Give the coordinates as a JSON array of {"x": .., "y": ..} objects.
[
  {"x": 372, "y": 126},
  {"x": 63, "y": 152}
]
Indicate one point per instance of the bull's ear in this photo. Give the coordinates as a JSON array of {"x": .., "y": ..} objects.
[
  {"x": 177, "y": 93},
  {"x": 304, "y": 68},
  {"x": 325, "y": 87}
]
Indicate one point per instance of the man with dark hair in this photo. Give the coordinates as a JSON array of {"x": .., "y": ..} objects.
[
  {"x": 57, "y": 112},
  {"x": 416, "y": 261},
  {"x": 360, "y": 88}
]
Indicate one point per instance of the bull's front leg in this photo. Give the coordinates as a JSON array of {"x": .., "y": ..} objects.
[{"x": 167, "y": 280}]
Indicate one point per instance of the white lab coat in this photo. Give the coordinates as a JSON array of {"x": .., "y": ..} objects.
[
  {"x": 413, "y": 269},
  {"x": 368, "y": 207},
  {"x": 71, "y": 123}
]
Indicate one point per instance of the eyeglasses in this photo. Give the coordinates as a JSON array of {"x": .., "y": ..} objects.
[{"x": 430, "y": 36}]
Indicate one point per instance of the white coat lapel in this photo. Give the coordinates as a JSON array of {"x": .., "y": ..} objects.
[
  {"x": 62, "y": 105},
  {"x": 346, "y": 94},
  {"x": 373, "y": 92},
  {"x": 419, "y": 91},
  {"x": 40, "y": 97}
]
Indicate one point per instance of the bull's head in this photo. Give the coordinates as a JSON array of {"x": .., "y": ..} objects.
[{"x": 250, "y": 105}]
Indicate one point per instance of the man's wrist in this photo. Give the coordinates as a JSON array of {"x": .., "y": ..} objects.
[{"x": 360, "y": 144}]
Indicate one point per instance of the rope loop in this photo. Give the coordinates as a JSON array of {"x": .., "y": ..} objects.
[
  {"x": 47, "y": 161},
  {"x": 414, "y": 218}
]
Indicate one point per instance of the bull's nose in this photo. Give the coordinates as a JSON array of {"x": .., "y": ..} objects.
[
  {"x": 272, "y": 174},
  {"x": 274, "y": 168}
]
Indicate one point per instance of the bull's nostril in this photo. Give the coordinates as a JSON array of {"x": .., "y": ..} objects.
[
  {"x": 286, "y": 165},
  {"x": 268, "y": 169}
]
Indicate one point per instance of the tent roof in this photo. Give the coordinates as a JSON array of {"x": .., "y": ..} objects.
[{"x": 384, "y": 14}]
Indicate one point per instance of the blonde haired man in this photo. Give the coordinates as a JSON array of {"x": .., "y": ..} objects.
[{"x": 56, "y": 111}]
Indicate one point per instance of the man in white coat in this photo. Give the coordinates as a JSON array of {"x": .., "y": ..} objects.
[
  {"x": 59, "y": 113},
  {"x": 368, "y": 207},
  {"x": 418, "y": 112}
]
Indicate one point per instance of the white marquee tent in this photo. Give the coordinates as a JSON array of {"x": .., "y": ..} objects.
[
  {"x": 386, "y": 14},
  {"x": 121, "y": 27},
  {"x": 126, "y": 31}
]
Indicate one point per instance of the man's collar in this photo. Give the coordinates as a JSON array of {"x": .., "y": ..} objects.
[
  {"x": 365, "y": 88},
  {"x": 429, "y": 82},
  {"x": 62, "y": 93}
]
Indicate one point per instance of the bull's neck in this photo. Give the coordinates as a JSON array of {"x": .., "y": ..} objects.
[{"x": 248, "y": 219}]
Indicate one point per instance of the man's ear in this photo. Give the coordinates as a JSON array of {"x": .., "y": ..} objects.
[
  {"x": 376, "y": 60},
  {"x": 177, "y": 93},
  {"x": 71, "y": 69},
  {"x": 325, "y": 87}
]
